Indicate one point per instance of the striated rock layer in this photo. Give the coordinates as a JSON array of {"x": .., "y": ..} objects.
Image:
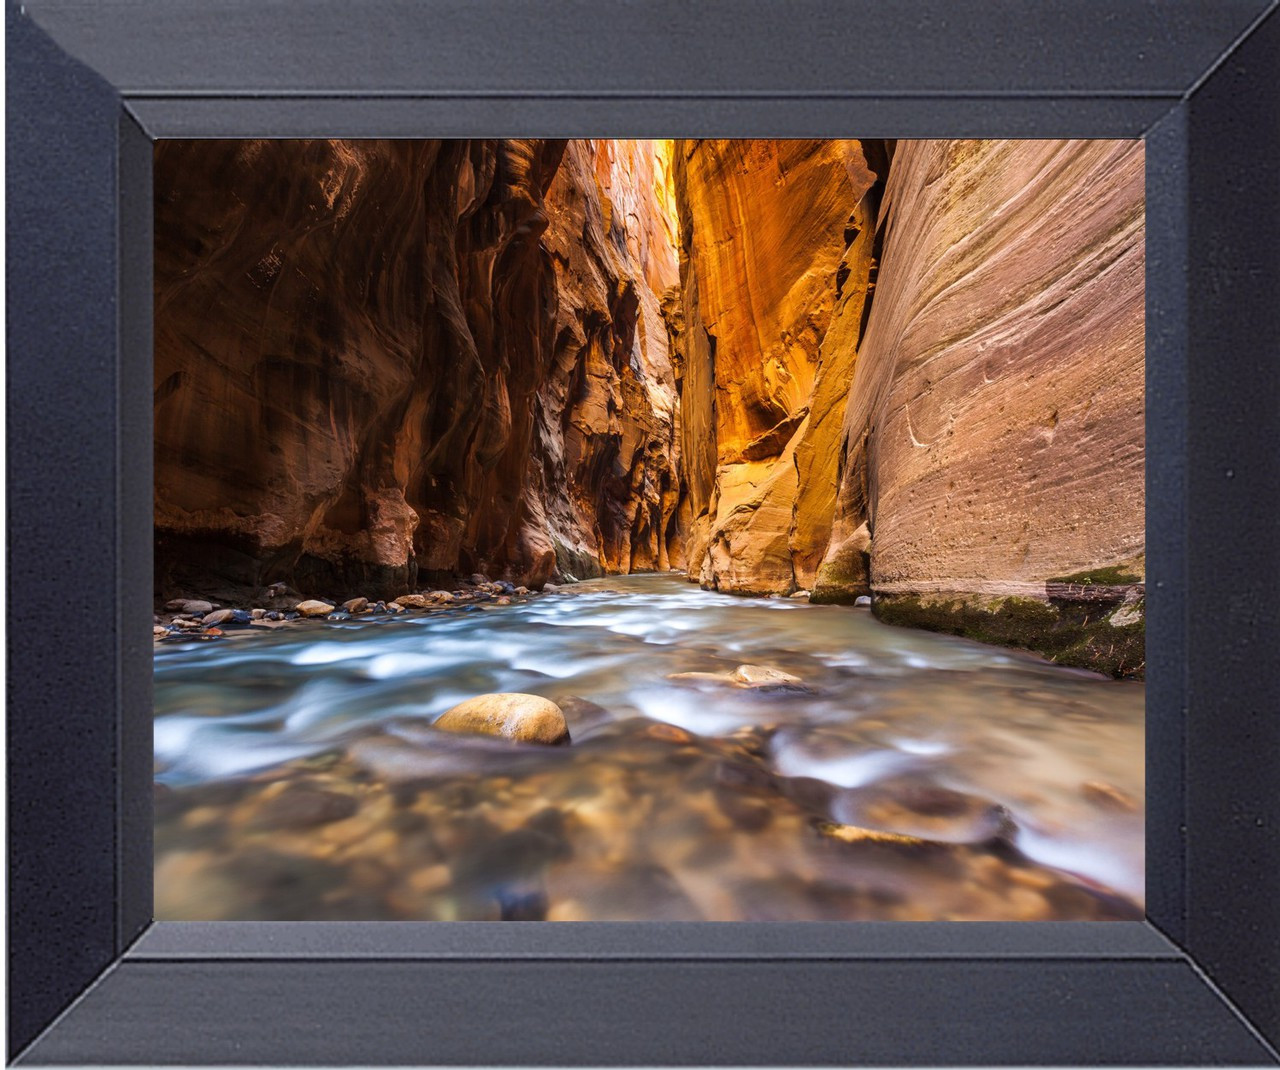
[
  {"x": 777, "y": 242},
  {"x": 915, "y": 371},
  {"x": 379, "y": 362},
  {"x": 992, "y": 467}
]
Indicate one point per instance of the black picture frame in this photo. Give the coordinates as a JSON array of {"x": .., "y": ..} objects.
[{"x": 94, "y": 981}]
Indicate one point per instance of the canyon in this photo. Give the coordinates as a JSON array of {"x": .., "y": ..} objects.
[{"x": 910, "y": 371}]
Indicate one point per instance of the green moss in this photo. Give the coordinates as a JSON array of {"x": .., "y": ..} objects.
[
  {"x": 841, "y": 581},
  {"x": 1111, "y": 576},
  {"x": 1074, "y": 634}
]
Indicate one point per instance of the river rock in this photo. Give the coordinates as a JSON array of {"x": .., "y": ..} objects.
[
  {"x": 159, "y": 631},
  {"x": 355, "y": 605},
  {"x": 525, "y": 718},
  {"x": 1108, "y": 797},
  {"x": 195, "y": 606},
  {"x": 314, "y": 608},
  {"x": 863, "y": 600},
  {"x": 921, "y": 809},
  {"x": 752, "y": 677},
  {"x": 761, "y": 676},
  {"x": 300, "y": 808}
]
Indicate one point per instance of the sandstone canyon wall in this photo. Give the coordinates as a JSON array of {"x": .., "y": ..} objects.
[
  {"x": 932, "y": 396},
  {"x": 383, "y": 362},
  {"x": 992, "y": 470},
  {"x": 777, "y": 242}
]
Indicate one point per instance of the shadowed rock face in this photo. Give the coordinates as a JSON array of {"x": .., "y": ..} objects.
[{"x": 379, "y": 363}]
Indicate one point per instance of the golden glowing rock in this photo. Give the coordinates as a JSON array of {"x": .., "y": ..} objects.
[
  {"x": 777, "y": 240},
  {"x": 381, "y": 363},
  {"x": 524, "y": 718}
]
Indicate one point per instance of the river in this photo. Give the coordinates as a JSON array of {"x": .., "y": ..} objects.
[{"x": 912, "y": 776}]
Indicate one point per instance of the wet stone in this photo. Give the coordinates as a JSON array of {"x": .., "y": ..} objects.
[
  {"x": 314, "y": 608},
  {"x": 923, "y": 810},
  {"x": 1108, "y": 797},
  {"x": 302, "y": 808}
]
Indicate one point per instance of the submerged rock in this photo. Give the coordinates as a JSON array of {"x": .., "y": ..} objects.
[
  {"x": 753, "y": 677},
  {"x": 1108, "y": 797},
  {"x": 927, "y": 811},
  {"x": 525, "y": 718},
  {"x": 303, "y": 807}
]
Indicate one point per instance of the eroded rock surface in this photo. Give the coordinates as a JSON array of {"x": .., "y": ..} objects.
[
  {"x": 383, "y": 362},
  {"x": 994, "y": 435},
  {"x": 778, "y": 251}
]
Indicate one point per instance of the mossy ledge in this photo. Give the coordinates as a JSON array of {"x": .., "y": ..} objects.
[{"x": 1081, "y": 635}]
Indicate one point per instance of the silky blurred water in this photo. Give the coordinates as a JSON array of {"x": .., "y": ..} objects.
[{"x": 884, "y": 706}]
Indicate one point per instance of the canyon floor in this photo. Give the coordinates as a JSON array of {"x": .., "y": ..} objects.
[{"x": 858, "y": 771}]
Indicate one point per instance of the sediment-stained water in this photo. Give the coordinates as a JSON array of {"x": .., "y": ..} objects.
[{"x": 912, "y": 776}]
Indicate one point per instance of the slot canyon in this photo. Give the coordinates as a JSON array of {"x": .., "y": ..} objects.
[
  {"x": 649, "y": 530},
  {"x": 911, "y": 371}
]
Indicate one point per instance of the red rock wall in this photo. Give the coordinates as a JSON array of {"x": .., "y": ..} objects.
[
  {"x": 382, "y": 362},
  {"x": 994, "y": 431},
  {"x": 772, "y": 264}
]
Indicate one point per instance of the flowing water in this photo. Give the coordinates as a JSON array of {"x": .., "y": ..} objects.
[{"x": 911, "y": 776}]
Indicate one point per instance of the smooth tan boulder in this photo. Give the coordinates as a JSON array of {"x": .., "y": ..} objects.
[
  {"x": 524, "y": 718},
  {"x": 314, "y": 608}
]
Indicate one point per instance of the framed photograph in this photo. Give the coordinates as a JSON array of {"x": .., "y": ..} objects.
[{"x": 724, "y": 534}]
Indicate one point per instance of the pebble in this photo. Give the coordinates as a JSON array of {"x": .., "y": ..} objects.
[
  {"x": 314, "y": 608},
  {"x": 525, "y": 718},
  {"x": 194, "y": 606}
]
